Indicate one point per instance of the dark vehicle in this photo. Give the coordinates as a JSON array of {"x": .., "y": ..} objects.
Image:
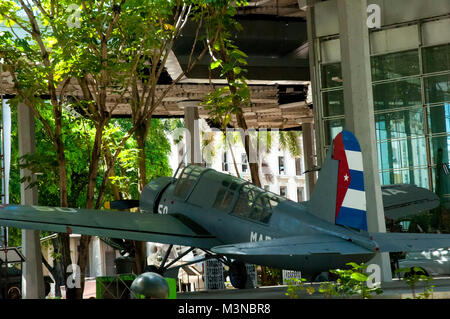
[
  {"x": 11, "y": 276},
  {"x": 435, "y": 262}
]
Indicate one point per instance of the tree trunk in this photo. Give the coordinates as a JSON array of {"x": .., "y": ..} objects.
[
  {"x": 57, "y": 270},
  {"x": 231, "y": 77},
  {"x": 141, "y": 133},
  {"x": 140, "y": 256},
  {"x": 254, "y": 167},
  {"x": 83, "y": 258},
  {"x": 94, "y": 164},
  {"x": 63, "y": 247},
  {"x": 232, "y": 155},
  {"x": 83, "y": 249}
]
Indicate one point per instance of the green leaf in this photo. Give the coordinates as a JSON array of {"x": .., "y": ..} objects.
[
  {"x": 215, "y": 64},
  {"x": 418, "y": 270},
  {"x": 239, "y": 52},
  {"x": 359, "y": 276}
]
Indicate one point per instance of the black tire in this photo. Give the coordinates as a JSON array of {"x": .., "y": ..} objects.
[
  {"x": 14, "y": 292},
  {"x": 321, "y": 277},
  {"x": 238, "y": 274},
  {"x": 412, "y": 272}
]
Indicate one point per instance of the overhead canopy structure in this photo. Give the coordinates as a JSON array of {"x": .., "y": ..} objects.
[
  {"x": 11, "y": 255},
  {"x": 275, "y": 40}
]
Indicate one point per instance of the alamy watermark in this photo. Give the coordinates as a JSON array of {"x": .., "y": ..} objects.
[
  {"x": 374, "y": 279},
  {"x": 258, "y": 142},
  {"x": 74, "y": 20},
  {"x": 374, "y": 18},
  {"x": 74, "y": 280}
]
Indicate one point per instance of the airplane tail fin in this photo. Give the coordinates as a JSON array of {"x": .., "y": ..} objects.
[{"x": 339, "y": 196}]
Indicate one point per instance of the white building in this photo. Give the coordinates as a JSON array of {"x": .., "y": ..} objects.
[{"x": 280, "y": 172}]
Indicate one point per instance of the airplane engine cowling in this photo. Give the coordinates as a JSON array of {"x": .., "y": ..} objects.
[{"x": 151, "y": 194}]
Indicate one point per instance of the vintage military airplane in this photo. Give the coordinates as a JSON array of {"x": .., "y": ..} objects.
[{"x": 235, "y": 222}]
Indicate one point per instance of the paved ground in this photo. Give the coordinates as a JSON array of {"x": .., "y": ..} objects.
[{"x": 392, "y": 290}]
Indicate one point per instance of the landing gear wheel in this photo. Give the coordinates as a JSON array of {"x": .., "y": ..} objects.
[
  {"x": 238, "y": 274},
  {"x": 321, "y": 277}
]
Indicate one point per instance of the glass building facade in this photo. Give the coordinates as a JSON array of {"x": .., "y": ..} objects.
[{"x": 410, "y": 68}]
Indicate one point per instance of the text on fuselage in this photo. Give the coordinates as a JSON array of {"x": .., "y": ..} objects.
[{"x": 254, "y": 236}]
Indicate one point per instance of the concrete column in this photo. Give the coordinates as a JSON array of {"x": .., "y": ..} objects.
[
  {"x": 32, "y": 277},
  {"x": 359, "y": 116},
  {"x": 97, "y": 257},
  {"x": 313, "y": 66},
  {"x": 308, "y": 155},
  {"x": 192, "y": 123}
]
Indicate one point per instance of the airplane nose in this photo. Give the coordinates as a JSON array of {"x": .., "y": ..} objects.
[{"x": 151, "y": 194}]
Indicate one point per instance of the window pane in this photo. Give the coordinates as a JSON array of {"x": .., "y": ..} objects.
[
  {"x": 441, "y": 184},
  {"x": 333, "y": 128},
  {"x": 261, "y": 209},
  {"x": 253, "y": 203},
  {"x": 283, "y": 191},
  {"x": 281, "y": 168},
  {"x": 440, "y": 149},
  {"x": 395, "y": 65},
  {"x": 439, "y": 119},
  {"x": 331, "y": 75},
  {"x": 399, "y": 124},
  {"x": 223, "y": 199},
  {"x": 298, "y": 166},
  {"x": 417, "y": 177},
  {"x": 333, "y": 103},
  {"x": 244, "y": 203},
  {"x": 244, "y": 162},
  {"x": 187, "y": 180},
  {"x": 397, "y": 94},
  {"x": 436, "y": 58},
  {"x": 299, "y": 194},
  {"x": 402, "y": 153},
  {"x": 437, "y": 88},
  {"x": 225, "y": 162}
]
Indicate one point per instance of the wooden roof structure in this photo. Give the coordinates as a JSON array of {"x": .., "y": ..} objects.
[{"x": 277, "y": 103}]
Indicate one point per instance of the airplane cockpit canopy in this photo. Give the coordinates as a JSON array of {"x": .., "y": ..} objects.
[
  {"x": 205, "y": 187},
  {"x": 187, "y": 180}
]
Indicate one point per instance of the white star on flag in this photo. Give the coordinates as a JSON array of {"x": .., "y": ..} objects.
[{"x": 346, "y": 178}]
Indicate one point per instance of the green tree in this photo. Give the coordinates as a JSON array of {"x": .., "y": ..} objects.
[
  {"x": 57, "y": 49},
  {"x": 226, "y": 57},
  {"x": 350, "y": 282},
  {"x": 412, "y": 276},
  {"x": 33, "y": 67},
  {"x": 105, "y": 47}
]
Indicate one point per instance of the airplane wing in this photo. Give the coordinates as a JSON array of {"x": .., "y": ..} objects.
[
  {"x": 402, "y": 200},
  {"x": 329, "y": 244},
  {"x": 397, "y": 242},
  {"x": 169, "y": 229},
  {"x": 293, "y": 246}
]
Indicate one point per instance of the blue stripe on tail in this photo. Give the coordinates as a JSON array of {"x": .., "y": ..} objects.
[{"x": 352, "y": 217}]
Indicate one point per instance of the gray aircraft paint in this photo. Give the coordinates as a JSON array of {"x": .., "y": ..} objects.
[{"x": 303, "y": 235}]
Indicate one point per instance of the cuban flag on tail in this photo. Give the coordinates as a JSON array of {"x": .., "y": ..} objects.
[{"x": 351, "y": 197}]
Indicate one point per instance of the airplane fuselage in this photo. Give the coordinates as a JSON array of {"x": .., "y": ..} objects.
[{"x": 287, "y": 219}]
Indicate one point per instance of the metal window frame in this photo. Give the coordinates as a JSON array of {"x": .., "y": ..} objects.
[{"x": 319, "y": 112}]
